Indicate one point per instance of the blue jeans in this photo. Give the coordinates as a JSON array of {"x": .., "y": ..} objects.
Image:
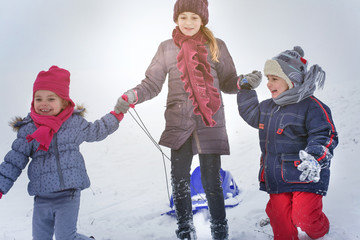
[{"x": 57, "y": 213}]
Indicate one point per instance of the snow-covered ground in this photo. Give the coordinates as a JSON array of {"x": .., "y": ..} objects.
[{"x": 128, "y": 194}]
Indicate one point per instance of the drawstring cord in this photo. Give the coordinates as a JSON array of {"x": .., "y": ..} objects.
[{"x": 141, "y": 124}]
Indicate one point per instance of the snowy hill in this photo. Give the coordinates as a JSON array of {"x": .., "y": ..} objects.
[
  {"x": 107, "y": 47},
  {"x": 128, "y": 192}
]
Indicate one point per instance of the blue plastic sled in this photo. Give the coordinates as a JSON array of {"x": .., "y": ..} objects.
[{"x": 230, "y": 190}]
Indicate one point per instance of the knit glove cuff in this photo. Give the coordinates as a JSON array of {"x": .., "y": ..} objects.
[{"x": 119, "y": 116}]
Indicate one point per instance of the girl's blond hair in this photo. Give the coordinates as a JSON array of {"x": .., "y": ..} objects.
[{"x": 214, "y": 48}]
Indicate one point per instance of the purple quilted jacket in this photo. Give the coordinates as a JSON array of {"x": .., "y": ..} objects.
[
  {"x": 62, "y": 166},
  {"x": 181, "y": 122}
]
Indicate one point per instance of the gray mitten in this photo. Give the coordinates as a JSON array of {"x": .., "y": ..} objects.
[
  {"x": 250, "y": 81},
  {"x": 126, "y": 101},
  {"x": 309, "y": 166}
]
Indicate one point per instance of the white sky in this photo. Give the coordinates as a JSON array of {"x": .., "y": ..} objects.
[{"x": 108, "y": 44}]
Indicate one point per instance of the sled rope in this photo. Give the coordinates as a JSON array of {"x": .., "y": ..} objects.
[
  {"x": 141, "y": 124},
  {"x": 143, "y": 127}
]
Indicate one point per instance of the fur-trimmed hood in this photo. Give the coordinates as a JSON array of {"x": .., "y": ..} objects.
[{"x": 17, "y": 121}]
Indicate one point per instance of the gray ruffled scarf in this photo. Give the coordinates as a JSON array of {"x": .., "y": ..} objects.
[{"x": 315, "y": 76}]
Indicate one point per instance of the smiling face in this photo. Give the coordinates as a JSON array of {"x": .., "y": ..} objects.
[
  {"x": 48, "y": 103},
  {"x": 189, "y": 23},
  {"x": 276, "y": 85}
]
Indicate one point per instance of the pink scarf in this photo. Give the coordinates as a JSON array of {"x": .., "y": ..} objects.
[
  {"x": 47, "y": 126},
  {"x": 198, "y": 81}
]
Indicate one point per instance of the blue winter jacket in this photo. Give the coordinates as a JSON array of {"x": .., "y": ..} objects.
[
  {"x": 62, "y": 166},
  {"x": 283, "y": 132}
]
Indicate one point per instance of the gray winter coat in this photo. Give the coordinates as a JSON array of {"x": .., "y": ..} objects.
[
  {"x": 62, "y": 166},
  {"x": 181, "y": 122}
]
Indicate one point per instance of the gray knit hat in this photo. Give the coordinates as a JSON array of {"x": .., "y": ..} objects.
[
  {"x": 289, "y": 65},
  {"x": 200, "y": 7}
]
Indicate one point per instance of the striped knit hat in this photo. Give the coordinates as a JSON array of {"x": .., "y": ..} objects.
[{"x": 289, "y": 65}]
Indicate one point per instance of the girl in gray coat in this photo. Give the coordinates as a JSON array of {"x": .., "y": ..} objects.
[
  {"x": 199, "y": 67},
  {"x": 51, "y": 135}
]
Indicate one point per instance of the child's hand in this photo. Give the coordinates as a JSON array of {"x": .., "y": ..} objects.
[
  {"x": 309, "y": 166},
  {"x": 126, "y": 101},
  {"x": 249, "y": 81}
]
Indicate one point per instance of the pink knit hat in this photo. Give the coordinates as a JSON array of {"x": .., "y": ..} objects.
[
  {"x": 199, "y": 7},
  {"x": 56, "y": 80}
]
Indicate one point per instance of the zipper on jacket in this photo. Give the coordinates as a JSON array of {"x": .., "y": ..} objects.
[
  {"x": 196, "y": 138},
  {"x": 277, "y": 109},
  {"x": 266, "y": 146},
  {"x": 57, "y": 156}
]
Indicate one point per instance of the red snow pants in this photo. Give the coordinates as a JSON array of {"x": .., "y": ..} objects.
[{"x": 287, "y": 211}]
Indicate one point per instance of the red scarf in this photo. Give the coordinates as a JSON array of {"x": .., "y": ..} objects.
[
  {"x": 198, "y": 81},
  {"x": 47, "y": 126}
]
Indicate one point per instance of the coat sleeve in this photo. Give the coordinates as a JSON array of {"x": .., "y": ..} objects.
[
  {"x": 322, "y": 135},
  {"x": 14, "y": 162},
  {"x": 155, "y": 77},
  {"x": 226, "y": 71},
  {"x": 98, "y": 130},
  {"x": 249, "y": 107}
]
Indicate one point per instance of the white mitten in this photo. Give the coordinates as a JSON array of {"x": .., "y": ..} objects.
[{"x": 309, "y": 166}]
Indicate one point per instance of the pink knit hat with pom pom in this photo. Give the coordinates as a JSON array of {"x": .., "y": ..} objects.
[{"x": 56, "y": 80}]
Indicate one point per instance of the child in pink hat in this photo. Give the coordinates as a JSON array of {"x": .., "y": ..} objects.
[{"x": 51, "y": 135}]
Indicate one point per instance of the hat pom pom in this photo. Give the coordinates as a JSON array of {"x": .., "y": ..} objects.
[{"x": 299, "y": 50}]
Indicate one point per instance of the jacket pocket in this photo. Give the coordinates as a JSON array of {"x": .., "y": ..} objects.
[
  {"x": 173, "y": 114},
  {"x": 289, "y": 171},
  {"x": 292, "y": 126}
]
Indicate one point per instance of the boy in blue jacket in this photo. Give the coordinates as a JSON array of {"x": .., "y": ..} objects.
[
  {"x": 297, "y": 138},
  {"x": 50, "y": 135}
]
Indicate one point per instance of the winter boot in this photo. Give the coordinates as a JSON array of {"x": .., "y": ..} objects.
[
  {"x": 183, "y": 209},
  {"x": 187, "y": 232},
  {"x": 219, "y": 231}
]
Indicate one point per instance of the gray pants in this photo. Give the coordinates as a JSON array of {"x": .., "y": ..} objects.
[{"x": 57, "y": 213}]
